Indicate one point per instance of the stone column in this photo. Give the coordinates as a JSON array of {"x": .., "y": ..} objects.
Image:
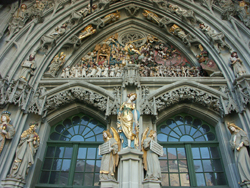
[{"x": 130, "y": 173}]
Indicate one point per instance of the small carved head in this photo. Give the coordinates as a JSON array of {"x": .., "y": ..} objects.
[
  {"x": 234, "y": 54},
  {"x": 5, "y": 116},
  {"x": 106, "y": 135},
  {"x": 152, "y": 134},
  {"x": 132, "y": 96},
  {"x": 232, "y": 127},
  {"x": 33, "y": 126},
  {"x": 23, "y": 7}
]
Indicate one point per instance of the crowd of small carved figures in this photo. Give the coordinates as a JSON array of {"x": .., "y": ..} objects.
[
  {"x": 79, "y": 71},
  {"x": 36, "y": 11},
  {"x": 154, "y": 59},
  {"x": 108, "y": 58}
]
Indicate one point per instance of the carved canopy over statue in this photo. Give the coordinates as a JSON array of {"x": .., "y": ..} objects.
[
  {"x": 128, "y": 122},
  {"x": 25, "y": 152},
  {"x": 239, "y": 143}
]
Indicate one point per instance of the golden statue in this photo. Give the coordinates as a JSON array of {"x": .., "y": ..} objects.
[
  {"x": 110, "y": 158},
  {"x": 128, "y": 122},
  {"x": 89, "y": 30}
]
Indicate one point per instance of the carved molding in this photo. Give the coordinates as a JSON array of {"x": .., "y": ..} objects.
[
  {"x": 187, "y": 93},
  {"x": 77, "y": 94}
]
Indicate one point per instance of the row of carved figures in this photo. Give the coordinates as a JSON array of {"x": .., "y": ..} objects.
[
  {"x": 36, "y": 11},
  {"x": 26, "y": 149},
  {"x": 30, "y": 141},
  {"x": 79, "y": 71}
]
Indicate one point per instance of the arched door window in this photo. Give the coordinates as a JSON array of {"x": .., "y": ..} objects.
[
  {"x": 71, "y": 158},
  {"x": 191, "y": 154}
]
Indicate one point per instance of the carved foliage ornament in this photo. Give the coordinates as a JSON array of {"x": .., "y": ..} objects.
[
  {"x": 81, "y": 94},
  {"x": 190, "y": 94}
]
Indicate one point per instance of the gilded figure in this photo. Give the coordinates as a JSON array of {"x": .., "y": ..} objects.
[
  {"x": 109, "y": 151},
  {"x": 25, "y": 152},
  {"x": 89, "y": 30},
  {"x": 7, "y": 130},
  {"x": 128, "y": 122},
  {"x": 150, "y": 158}
]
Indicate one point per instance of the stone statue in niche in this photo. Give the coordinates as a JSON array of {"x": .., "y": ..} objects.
[
  {"x": 25, "y": 152},
  {"x": 151, "y": 150},
  {"x": 239, "y": 143},
  {"x": 237, "y": 65},
  {"x": 109, "y": 19},
  {"x": 215, "y": 38},
  {"x": 28, "y": 68},
  {"x": 184, "y": 14},
  {"x": 128, "y": 122},
  {"x": 20, "y": 17},
  {"x": 109, "y": 151},
  {"x": 55, "y": 65},
  {"x": 7, "y": 130}
]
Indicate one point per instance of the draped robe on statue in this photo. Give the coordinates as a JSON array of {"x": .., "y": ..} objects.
[
  {"x": 126, "y": 123},
  {"x": 153, "y": 164},
  {"x": 24, "y": 159},
  {"x": 242, "y": 159},
  {"x": 108, "y": 163}
]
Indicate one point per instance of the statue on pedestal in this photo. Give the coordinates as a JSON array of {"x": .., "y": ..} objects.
[
  {"x": 128, "y": 122},
  {"x": 25, "y": 153},
  {"x": 151, "y": 150},
  {"x": 109, "y": 151},
  {"x": 7, "y": 130},
  {"x": 239, "y": 143}
]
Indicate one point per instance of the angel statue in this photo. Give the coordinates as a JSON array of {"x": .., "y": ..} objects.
[
  {"x": 239, "y": 143},
  {"x": 109, "y": 151},
  {"x": 151, "y": 150},
  {"x": 7, "y": 130},
  {"x": 25, "y": 152},
  {"x": 128, "y": 123}
]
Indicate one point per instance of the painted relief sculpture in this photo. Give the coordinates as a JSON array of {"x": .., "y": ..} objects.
[
  {"x": 215, "y": 37},
  {"x": 237, "y": 65},
  {"x": 89, "y": 30},
  {"x": 57, "y": 62},
  {"x": 109, "y": 151},
  {"x": 128, "y": 122},
  {"x": 28, "y": 68},
  {"x": 151, "y": 150},
  {"x": 25, "y": 152},
  {"x": 239, "y": 143},
  {"x": 184, "y": 14},
  {"x": 7, "y": 130}
]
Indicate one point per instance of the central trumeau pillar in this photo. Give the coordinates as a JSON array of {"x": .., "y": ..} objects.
[{"x": 130, "y": 170}]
